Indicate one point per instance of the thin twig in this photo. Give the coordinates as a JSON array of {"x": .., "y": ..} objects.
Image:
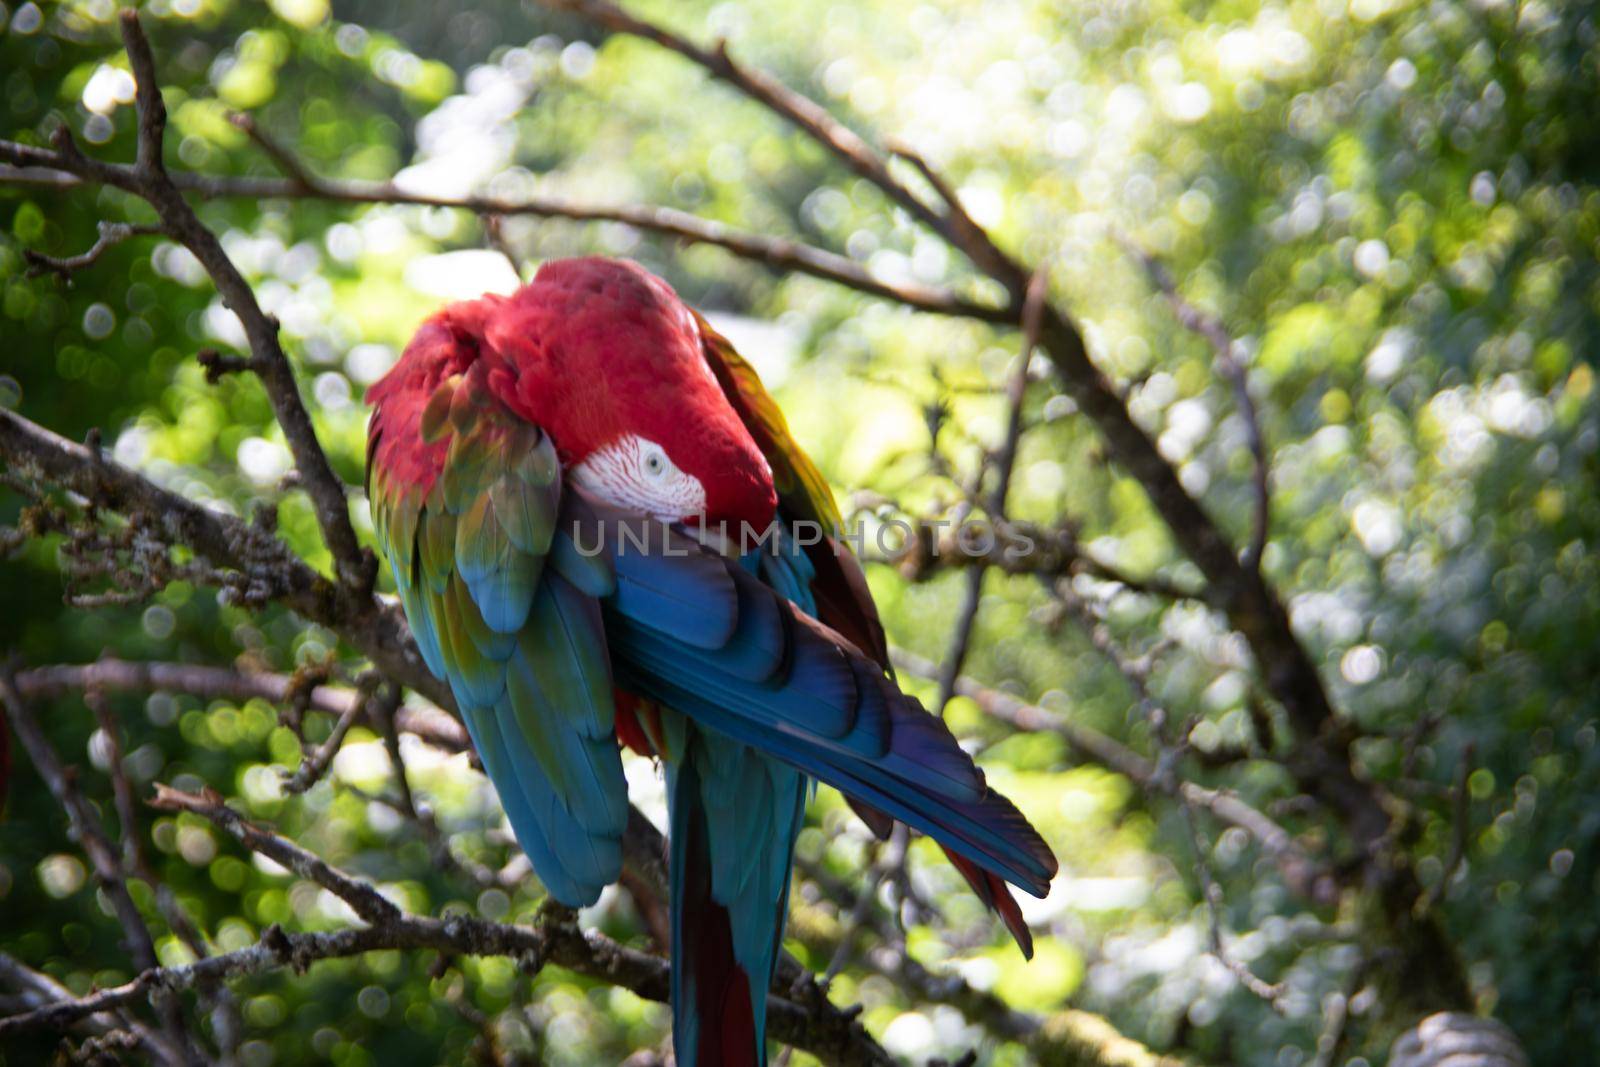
[
  {"x": 103, "y": 857},
  {"x": 148, "y": 179},
  {"x": 890, "y": 861},
  {"x": 314, "y": 764},
  {"x": 218, "y": 998},
  {"x": 778, "y": 253},
  {"x": 1461, "y": 795},
  {"x": 111, "y": 234},
  {"x": 1211, "y": 893},
  {"x": 37, "y": 989},
  {"x": 366, "y": 901},
  {"x": 1170, "y": 746},
  {"x": 494, "y": 234},
  {"x": 1301, "y": 872},
  {"x": 1017, "y": 391},
  {"x": 1228, "y": 362},
  {"x": 284, "y": 159},
  {"x": 955, "y": 656},
  {"x": 430, "y": 724},
  {"x": 1337, "y": 1015}
]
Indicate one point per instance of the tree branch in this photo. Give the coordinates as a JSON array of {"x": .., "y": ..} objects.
[
  {"x": 779, "y": 253},
  {"x": 1227, "y": 351},
  {"x": 1302, "y": 873},
  {"x": 38, "y": 990},
  {"x": 366, "y": 901},
  {"x": 436, "y": 727},
  {"x": 1015, "y": 547},
  {"x": 149, "y": 180},
  {"x": 265, "y": 567},
  {"x": 91, "y": 836},
  {"x": 1320, "y": 759},
  {"x": 831, "y": 1034},
  {"x": 111, "y": 234},
  {"x": 1016, "y": 392}
]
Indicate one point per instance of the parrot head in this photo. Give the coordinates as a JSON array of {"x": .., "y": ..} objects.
[{"x": 605, "y": 359}]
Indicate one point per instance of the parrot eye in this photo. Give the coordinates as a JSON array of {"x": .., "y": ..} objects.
[{"x": 634, "y": 473}]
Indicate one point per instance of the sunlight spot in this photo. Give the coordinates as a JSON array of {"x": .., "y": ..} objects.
[
  {"x": 107, "y": 87},
  {"x": 1360, "y": 665},
  {"x": 1371, "y": 257},
  {"x": 264, "y": 462},
  {"x": 61, "y": 875},
  {"x": 367, "y": 363},
  {"x": 1377, "y": 525},
  {"x": 462, "y": 275}
]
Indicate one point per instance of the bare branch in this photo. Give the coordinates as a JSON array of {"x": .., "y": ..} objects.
[
  {"x": 888, "y": 863},
  {"x": 778, "y": 253},
  {"x": 37, "y": 989},
  {"x": 111, "y": 234},
  {"x": 1461, "y": 794},
  {"x": 1016, "y": 392},
  {"x": 149, "y": 180},
  {"x": 809, "y": 116},
  {"x": 135, "y": 861},
  {"x": 1016, "y": 547},
  {"x": 102, "y": 853},
  {"x": 315, "y": 763},
  {"x": 365, "y": 900},
  {"x": 85, "y": 825},
  {"x": 436, "y": 727},
  {"x": 1211, "y": 894},
  {"x": 284, "y": 159},
  {"x": 834, "y": 1036},
  {"x": 218, "y": 366},
  {"x": 264, "y": 564},
  {"x": 1228, "y": 362},
  {"x": 1301, "y": 872},
  {"x": 494, "y": 234},
  {"x": 1336, "y": 1015},
  {"x": 825, "y": 1032}
]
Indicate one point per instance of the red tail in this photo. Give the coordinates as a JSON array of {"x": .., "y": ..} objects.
[{"x": 711, "y": 995}]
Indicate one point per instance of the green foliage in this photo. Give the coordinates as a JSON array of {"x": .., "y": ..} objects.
[{"x": 1394, "y": 206}]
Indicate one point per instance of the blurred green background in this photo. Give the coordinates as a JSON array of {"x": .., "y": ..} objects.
[{"x": 1393, "y": 205}]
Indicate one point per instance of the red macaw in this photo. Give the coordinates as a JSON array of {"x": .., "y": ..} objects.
[{"x": 565, "y": 483}]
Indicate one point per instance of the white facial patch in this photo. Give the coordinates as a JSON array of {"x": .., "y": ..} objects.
[{"x": 638, "y": 475}]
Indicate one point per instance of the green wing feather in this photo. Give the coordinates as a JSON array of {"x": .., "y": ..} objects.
[{"x": 522, "y": 648}]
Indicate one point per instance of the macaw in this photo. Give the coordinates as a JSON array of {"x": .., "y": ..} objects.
[{"x": 596, "y": 520}]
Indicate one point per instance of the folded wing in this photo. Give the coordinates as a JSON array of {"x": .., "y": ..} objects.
[
  {"x": 700, "y": 634},
  {"x": 465, "y": 499}
]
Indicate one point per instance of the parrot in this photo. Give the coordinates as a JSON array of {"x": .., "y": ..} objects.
[{"x": 603, "y": 534}]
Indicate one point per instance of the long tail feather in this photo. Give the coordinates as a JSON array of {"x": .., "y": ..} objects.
[{"x": 735, "y": 817}]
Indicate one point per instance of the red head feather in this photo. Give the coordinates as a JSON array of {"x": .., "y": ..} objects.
[{"x": 593, "y": 350}]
